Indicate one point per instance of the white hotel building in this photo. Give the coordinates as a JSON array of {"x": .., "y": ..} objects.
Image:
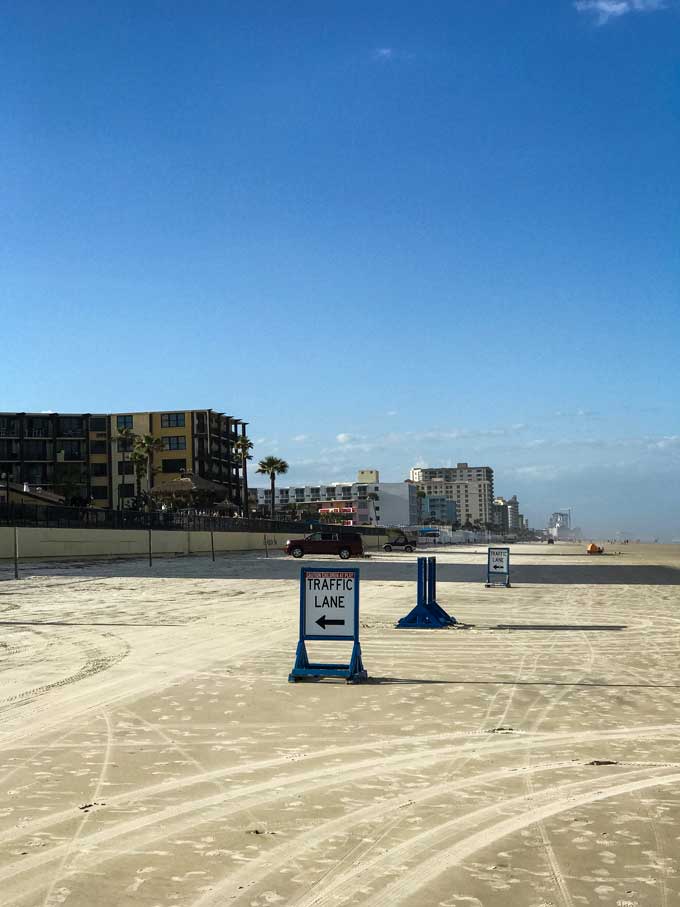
[{"x": 359, "y": 503}]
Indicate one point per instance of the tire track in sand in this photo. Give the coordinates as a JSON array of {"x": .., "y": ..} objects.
[
  {"x": 272, "y": 861},
  {"x": 76, "y": 835},
  {"x": 558, "y": 876},
  {"x": 434, "y": 856},
  {"x": 469, "y": 739}
]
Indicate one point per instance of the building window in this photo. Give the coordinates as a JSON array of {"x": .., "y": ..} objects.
[
  {"x": 125, "y": 467},
  {"x": 9, "y": 427},
  {"x": 172, "y": 420},
  {"x": 174, "y": 465},
  {"x": 126, "y": 490},
  {"x": 123, "y": 422},
  {"x": 97, "y": 423},
  {"x": 100, "y": 492},
  {"x": 72, "y": 450},
  {"x": 98, "y": 447},
  {"x": 36, "y": 450},
  {"x": 175, "y": 442},
  {"x": 70, "y": 427},
  {"x": 99, "y": 469},
  {"x": 124, "y": 445}
]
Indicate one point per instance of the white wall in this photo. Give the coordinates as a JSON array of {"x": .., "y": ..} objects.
[
  {"x": 394, "y": 503},
  {"x": 80, "y": 543}
]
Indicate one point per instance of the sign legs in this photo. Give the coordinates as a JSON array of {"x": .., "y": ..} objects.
[
  {"x": 303, "y": 668},
  {"x": 427, "y": 614}
]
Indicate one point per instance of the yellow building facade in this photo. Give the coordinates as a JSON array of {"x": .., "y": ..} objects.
[{"x": 86, "y": 458}]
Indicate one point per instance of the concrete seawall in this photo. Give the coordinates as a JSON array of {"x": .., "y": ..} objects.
[{"x": 39, "y": 544}]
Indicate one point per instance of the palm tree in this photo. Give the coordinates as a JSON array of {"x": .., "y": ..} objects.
[
  {"x": 142, "y": 456},
  {"x": 272, "y": 467},
  {"x": 242, "y": 446},
  {"x": 126, "y": 436}
]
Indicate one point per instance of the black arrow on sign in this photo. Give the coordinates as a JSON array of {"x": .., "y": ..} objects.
[
  {"x": 498, "y": 567},
  {"x": 324, "y": 621}
]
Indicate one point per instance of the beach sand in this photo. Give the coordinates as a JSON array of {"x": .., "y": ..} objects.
[{"x": 152, "y": 751}]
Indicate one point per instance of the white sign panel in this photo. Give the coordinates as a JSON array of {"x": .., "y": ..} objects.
[
  {"x": 499, "y": 560},
  {"x": 329, "y": 598}
]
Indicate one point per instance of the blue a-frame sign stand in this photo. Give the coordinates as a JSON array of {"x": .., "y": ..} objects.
[
  {"x": 329, "y": 598},
  {"x": 428, "y": 614}
]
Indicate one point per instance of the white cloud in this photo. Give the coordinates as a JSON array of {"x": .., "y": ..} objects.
[
  {"x": 393, "y": 412},
  {"x": 604, "y": 10},
  {"x": 669, "y": 443},
  {"x": 344, "y": 438},
  {"x": 300, "y": 438},
  {"x": 575, "y": 413},
  {"x": 383, "y": 53}
]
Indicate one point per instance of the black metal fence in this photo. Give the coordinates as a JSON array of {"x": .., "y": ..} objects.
[{"x": 55, "y": 517}]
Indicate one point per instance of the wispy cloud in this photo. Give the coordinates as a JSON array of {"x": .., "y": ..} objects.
[
  {"x": 605, "y": 10},
  {"x": 383, "y": 53},
  {"x": 300, "y": 438},
  {"x": 672, "y": 442},
  {"x": 575, "y": 413},
  {"x": 394, "y": 440}
]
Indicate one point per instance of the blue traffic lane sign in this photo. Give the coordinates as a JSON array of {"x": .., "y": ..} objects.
[{"x": 329, "y": 610}]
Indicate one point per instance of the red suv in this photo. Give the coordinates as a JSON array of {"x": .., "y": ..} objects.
[{"x": 345, "y": 544}]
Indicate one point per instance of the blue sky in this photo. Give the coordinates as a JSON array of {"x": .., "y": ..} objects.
[{"x": 384, "y": 233}]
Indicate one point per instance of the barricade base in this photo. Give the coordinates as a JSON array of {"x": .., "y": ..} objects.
[
  {"x": 422, "y": 617},
  {"x": 354, "y": 672}
]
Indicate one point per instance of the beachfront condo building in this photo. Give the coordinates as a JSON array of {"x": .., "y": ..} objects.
[
  {"x": 470, "y": 487},
  {"x": 86, "y": 456},
  {"x": 352, "y": 504}
]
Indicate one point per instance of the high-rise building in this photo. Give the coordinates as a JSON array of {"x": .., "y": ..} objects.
[
  {"x": 514, "y": 523},
  {"x": 87, "y": 457},
  {"x": 442, "y": 510},
  {"x": 559, "y": 525},
  {"x": 499, "y": 512},
  {"x": 470, "y": 487},
  {"x": 560, "y": 519}
]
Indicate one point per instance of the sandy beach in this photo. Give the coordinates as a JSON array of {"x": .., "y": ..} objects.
[{"x": 152, "y": 751}]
